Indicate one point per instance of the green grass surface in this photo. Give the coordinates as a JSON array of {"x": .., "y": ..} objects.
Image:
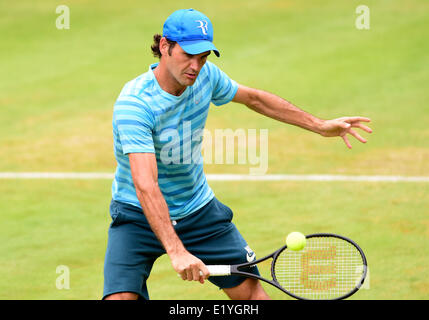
[{"x": 57, "y": 92}]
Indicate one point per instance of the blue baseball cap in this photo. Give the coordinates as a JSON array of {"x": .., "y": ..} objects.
[{"x": 192, "y": 30}]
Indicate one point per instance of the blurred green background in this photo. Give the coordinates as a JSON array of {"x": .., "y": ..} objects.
[{"x": 57, "y": 92}]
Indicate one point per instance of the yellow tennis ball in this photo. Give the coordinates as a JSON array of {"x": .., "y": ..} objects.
[{"x": 295, "y": 241}]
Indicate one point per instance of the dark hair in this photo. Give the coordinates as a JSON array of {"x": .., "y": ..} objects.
[{"x": 155, "y": 46}]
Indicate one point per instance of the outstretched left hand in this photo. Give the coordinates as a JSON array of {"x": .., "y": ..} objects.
[{"x": 343, "y": 126}]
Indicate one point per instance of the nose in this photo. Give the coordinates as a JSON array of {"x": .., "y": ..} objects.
[{"x": 195, "y": 64}]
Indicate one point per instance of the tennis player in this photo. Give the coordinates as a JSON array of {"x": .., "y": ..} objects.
[{"x": 161, "y": 202}]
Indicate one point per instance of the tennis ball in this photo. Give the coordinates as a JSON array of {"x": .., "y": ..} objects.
[{"x": 295, "y": 241}]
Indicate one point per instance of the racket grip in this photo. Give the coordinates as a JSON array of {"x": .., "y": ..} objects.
[{"x": 219, "y": 270}]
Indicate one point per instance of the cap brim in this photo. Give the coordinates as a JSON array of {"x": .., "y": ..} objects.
[{"x": 198, "y": 46}]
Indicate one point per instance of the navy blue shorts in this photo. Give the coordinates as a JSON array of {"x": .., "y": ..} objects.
[{"x": 132, "y": 247}]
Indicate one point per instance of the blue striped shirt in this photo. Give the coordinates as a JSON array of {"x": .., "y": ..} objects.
[{"x": 149, "y": 119}]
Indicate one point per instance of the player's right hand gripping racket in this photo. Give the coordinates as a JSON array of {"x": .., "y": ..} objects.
[{"x": 330, "y": 267}]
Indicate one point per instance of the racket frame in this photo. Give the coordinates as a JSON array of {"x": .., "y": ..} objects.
[{"x": 235, "y": 269}]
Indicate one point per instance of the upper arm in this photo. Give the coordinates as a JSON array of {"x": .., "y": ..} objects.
[
  {"x": 144, "y": 170},
  {"x": 133, "y": 124}
]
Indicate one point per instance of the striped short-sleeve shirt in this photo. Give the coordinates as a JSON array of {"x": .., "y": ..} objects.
[{"x": 149, "y": 119}]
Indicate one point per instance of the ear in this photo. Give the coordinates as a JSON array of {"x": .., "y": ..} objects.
[{"x": 163, "y": 46}]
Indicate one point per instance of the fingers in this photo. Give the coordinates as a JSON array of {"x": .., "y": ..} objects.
[
  {"x": 355, "y": 123},
  {"x": 357, "y": 136},
  {"x": 363, "y": 127},
  {"x": 354, "y": 134},
  {"x": 355, "y": 119},
  {"x": 346, "y": 140},
  {"x": 195, "y": 271},
  {"x": 203, "y": 273}
]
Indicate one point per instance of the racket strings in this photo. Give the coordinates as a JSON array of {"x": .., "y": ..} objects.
[{"x": 327, "y": 268}]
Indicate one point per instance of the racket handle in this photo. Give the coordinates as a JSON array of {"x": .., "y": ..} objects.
[{"x": 219, "y": 270}]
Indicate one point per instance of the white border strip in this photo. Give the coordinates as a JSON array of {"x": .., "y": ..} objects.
[{"x": 220, "y": 177}]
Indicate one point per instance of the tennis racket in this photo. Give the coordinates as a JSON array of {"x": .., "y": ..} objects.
[{"x": 330, "y": 267}]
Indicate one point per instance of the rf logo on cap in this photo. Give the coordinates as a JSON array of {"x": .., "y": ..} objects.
[{"x": 203, "y": 26}]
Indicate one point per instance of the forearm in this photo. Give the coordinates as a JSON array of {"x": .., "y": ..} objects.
[
  {"x": 157, "y": 214},
  {"x": 279, "y": 109},
  {"x": 144, "y": 172}
]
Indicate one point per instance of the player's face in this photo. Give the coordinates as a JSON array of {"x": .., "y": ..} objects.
[{"x": 185, "y": 67}]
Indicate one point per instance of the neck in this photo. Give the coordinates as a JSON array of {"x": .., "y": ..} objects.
[{"x": 167, "y": 82}]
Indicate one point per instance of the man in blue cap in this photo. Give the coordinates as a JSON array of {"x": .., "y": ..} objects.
[{"x": 161, "y": 201}]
